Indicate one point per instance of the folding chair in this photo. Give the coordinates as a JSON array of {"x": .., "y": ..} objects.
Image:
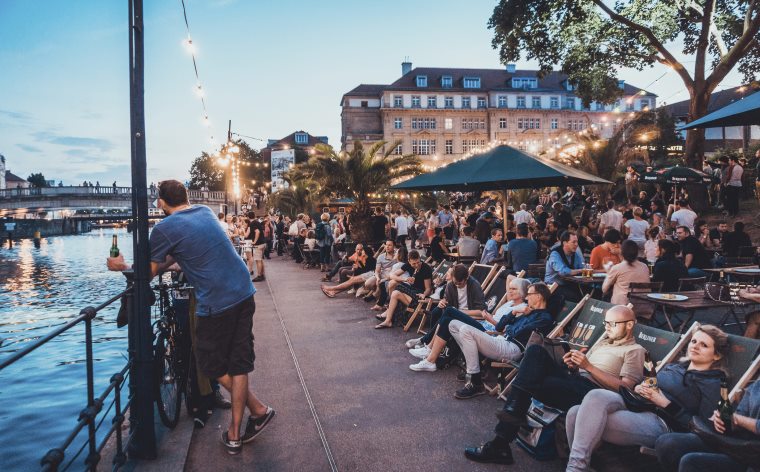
[
  {"x": 424, "y": 306},
  {"x": 483, "y": 273}
]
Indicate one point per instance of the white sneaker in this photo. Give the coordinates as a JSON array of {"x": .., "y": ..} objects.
[
  {"x": 420, "y": 353},
  {"x": 360, "y": 292},
  {"x": 423, "y": 366},
  {"x": 351, "y": 290},
  {"x": 412, "y": 343}
]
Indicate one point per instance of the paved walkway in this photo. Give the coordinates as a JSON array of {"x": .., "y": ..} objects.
[{"x": 374, "y": 414}]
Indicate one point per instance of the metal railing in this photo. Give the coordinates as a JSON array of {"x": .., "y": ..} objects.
[
  {"x": 99, "y": 191},
  {"x": 88, "y": 416}
]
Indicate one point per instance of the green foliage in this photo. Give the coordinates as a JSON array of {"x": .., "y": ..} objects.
[
  {"x": 205, "y": 172},
  {"x": 37, "y": 180},
  {"x": 301, "y": 196}
]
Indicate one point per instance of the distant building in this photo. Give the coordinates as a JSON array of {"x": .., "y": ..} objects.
[
  {"x": 14, "y": 181},
  {"x": 441, "y": 114},
  {"x": 2, "y": 172},
  {"x": 280, "y": 154},
  {"x": 715, "y": 138}
]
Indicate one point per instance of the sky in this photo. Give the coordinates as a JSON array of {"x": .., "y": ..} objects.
[{"x": 272, "y": 68}]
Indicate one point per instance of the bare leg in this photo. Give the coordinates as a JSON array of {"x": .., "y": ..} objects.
[
  {"x": 396, "y": 297},
  {"x": 435, "y": 348},
  {"x": 753, "y": 325},
  {"x": 260, "y": 268},
  {"x": 255, "y": 407},
  {"x": 345, "y": 285},
  {"x": 249, "y": 262}
]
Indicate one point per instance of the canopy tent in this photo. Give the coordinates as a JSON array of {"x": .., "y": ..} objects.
[
  {"x": 500, "y": 169},
  {"x": 677, "y": 175},
  {"x": 742, "y": 112}
]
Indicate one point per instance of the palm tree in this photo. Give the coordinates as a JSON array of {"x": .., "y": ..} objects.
[
  {"x": 356, "y": 174},
  {"x": 300, "y": 196}
]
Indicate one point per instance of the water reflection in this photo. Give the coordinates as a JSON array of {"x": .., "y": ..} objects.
[{"x": 41, "y": 289}]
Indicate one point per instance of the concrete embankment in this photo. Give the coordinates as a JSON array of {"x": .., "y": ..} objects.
[{"x": 24, "y": 229}]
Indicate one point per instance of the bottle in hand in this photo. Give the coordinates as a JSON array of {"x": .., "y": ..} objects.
[
  {"x": 725, "y": 409},
  {"x": 114, "y": 247},
  {"x": 650, "y": 373}
]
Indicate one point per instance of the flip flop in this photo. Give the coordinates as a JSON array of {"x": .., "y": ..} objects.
[
  {"x": 327, "y": 294},
  {"x": 381, "y": 326},
  {"x": 380, "y": 317}
]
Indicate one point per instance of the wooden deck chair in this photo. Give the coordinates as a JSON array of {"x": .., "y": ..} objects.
[
  {"x": 483, "y": 273},
  {"x": 424, "y": 306},
  {"x": 661, "y": 344}
]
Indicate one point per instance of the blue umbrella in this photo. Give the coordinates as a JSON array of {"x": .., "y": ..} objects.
[{"x": 742, "y": 112}]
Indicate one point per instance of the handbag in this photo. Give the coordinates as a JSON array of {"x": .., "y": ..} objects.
[
  {"x": 740, "y": 448},
  {"x": 717, "y": 292},
  {"x": 556, "y": 347},
  {"x": 635, "y": 402}
]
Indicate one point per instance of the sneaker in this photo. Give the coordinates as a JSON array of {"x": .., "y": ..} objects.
[
  {"x": 360, "y": 292},
  {"x": 470, "y": 390},
  {"x": 413, "y": 343},
  {"x": 259, "y": 278},
  {"x": 423, "y": 366},
  {"x": 233, "y": 447},
  {"x": 369, "y": 298},
  {"x": 221, "y": 402},
  {"x": 420, "y": 353},
  {"x": 256, "y": 425},
  {"x": 350, "y": 291}
]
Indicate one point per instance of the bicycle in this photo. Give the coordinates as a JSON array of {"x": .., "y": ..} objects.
[{"x": 170, "y": 356}]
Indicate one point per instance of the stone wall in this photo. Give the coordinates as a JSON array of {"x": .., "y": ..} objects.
[{"x": 26, "y": 228}]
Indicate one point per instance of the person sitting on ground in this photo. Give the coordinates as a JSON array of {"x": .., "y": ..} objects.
[
  {"x": 667, "y": 269},
  {"x": 620, "y": 276},
  {"x": 695, "y": 257},
  {"x": 517, "y": 327},
  {"x": 687, "y": 452},
  {"x": 363, "y": 269},
  {"x": 438, "y": 250},
  {"x": 688, "y": 388},
  {"x": 415, "y": 288},
  {"x": 607, "y": 254},
  {"x": 564, "y": 259},
  {"x": 492, "y": 252},
  {"x": 650, "y": 247},
  {"x": 523, "y": 250},
  {"x": 395, "y": 276},
  {"x": 735, "y": 240},
  {"x": 613, "y": 362},
  {"x": 467, "y": 246},
  {"x": 346, "y": 263}
]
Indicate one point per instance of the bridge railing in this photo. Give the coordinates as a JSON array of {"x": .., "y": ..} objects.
[{"x": 101, "y": 191}]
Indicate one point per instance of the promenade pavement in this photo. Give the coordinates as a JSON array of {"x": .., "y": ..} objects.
[{"x": 374, "y": 413}]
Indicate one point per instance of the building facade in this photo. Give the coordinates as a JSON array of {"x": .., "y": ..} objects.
[
  {"x": 2, "y": 172},
  {"x": 442, "y": 114}
]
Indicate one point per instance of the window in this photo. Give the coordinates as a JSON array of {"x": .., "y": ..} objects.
[
  {"x": 629, "y": 105},
  {"x": 521, "y": 101},
  {"x": 502, "y": 123},
  {"x": 399, "y": 150},
  {"x": 576, "y": 125},
  {"x": 554, "y": 102},
  {"x": 529, "y": 123},
  {"x": 398, "y": 123},
  {"x": 448, "y": 102},
  {"x": 448, "y": 123},
  {"x": 449, "y": 146},
  {"x": 302, "y": 138},
  {"x": 446, "y": 81},
  {"x": 524, "y": 82},
  {"x": 432, "y": 102},
  {"x": 481, "y": 102},
  {"x": 535, "y": 102},
  {"x": 599, "y": 106},
  {"x": 398, "y": 101},
  {"x": 364, "y": 104},
  {"x": 421, "y": 81},
  {"x": 469, "y": 145},
  {"x": 473, "y": 123},
  {"x": 466, "y": 102},
  {"x": 423, "y": 123},
  {"x": 471, "y": 82},
  {"x": 502, "y": 101},
  {"x": 423, "y": 147},
  {"x": 570, "y": 103},
  {"x": 415, "y": 101},
  {"x": 644, "y": 103},
  {"x": 555, "y": 123}
]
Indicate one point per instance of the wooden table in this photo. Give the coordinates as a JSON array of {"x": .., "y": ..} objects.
[
  {"x": 589, "y": 283},
  {"x": 754, "y": 274},
  {"x": 695, "y": 302}
]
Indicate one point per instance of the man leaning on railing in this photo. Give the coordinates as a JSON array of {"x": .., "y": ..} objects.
[{"x": 191, "y": 237}]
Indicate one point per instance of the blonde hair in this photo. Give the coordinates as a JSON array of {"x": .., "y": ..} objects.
[{"x": 325, "y": 217}]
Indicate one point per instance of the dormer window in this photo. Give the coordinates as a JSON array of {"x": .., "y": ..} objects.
[
  {"x": 421, "y": 81},
  {"x": 302, "y": 138},
  {"x": 567, "y": 85},
  {"x": 447, "y": 81},
  {"x": 471, "y": 82},
  {"x": 524, "y": 82}
]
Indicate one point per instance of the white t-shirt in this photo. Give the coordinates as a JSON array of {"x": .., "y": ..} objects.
[
  {"x": 293, "y": 230},
  {"x": 611, "y": 219},
  {"x": 503, "y": 311},
  {"x": 402, "y": 226},
  {"x": 462, "y": 297},
  {"x": 523, "y": 216},
  {"x": 638, "y": 230},
  {"x": 684, "y": 217}
]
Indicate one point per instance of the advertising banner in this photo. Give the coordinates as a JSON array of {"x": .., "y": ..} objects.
[{"x": 281, "y": 162}]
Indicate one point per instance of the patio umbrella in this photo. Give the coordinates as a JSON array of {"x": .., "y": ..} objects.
[
  {"x": 740, "y": 113},
  {"x": 500, "y": 169},
  {"x": 677, "y": 175}
]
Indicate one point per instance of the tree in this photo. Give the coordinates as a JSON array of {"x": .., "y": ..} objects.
[
  {"x": 300, "y": 196},
  {"x": 206, "y": 173},
  {"x": 356, "y": 174},
  {"x": 589, "y": 39},
  {"x": 37, "y": 180}
]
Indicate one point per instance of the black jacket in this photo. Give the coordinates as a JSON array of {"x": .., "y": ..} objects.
[{"x": 669, "y": 271}]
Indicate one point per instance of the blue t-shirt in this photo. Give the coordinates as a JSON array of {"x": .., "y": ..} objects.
[
  {"x": 194, "y": 238},
  {"x": 523, "y": 252}
]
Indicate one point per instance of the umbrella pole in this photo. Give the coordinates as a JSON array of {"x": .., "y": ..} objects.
[{"x": 505, "y": 213}]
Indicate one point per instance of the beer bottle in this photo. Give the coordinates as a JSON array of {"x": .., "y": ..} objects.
[
  {"x": 725, "y": 409},
  {"x": 722, "y": 278},
  {"x": 114, "y": 247},
  {"x": 650, "y": 373}
]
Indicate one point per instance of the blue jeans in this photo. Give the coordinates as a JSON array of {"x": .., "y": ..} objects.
[
  {"x": 686, "y": 452},
  {"x": 324, "y": 253},
  {"x": 694, "y": 272}
]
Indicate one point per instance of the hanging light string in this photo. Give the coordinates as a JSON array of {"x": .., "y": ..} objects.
[{"x": 198, "y": 87}]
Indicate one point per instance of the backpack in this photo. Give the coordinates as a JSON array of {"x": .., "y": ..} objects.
[{"x": 320, "y": 233}]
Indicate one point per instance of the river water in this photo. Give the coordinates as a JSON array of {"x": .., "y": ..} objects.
[{"x": 41, "y": 288}]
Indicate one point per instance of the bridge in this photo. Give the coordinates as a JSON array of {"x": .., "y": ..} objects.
[{"x": 90, "y": 202}]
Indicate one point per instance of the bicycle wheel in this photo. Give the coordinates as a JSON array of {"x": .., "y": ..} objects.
[{"x": 168, "y": 385}]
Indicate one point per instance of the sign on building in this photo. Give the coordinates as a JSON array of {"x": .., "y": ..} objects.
[{"x": 282, "y": 161}]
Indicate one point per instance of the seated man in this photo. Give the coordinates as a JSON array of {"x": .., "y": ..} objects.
[
  {"x": 607, "y": 255},
  {"x": 492, "y": 252},
  {"x": 383, "y": 265},
  {"x": 564, "y": 259},
  {"x": 613, "y": 362},
  {"x": 363, "y": 269},
  {"x": 438, "y": 250},
  {"x": 346, "y": 263},
  {"x": 468, "y": 246},
  {"x": 517, "y": 327},
  {"x": 695, "y": 257},
  {"x": 735, "y": 240},
  {"x": 523, "y": 250},
  {"x": 415, "y": 288}
]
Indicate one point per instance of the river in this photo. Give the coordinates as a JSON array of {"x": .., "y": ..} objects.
[{"x": 41, "y": 288}]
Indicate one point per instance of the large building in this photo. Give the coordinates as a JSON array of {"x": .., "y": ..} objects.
[{"x": 442, "y": 114}]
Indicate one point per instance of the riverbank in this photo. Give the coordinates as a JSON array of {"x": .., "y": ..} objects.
[{"x": 26, "y": 229}]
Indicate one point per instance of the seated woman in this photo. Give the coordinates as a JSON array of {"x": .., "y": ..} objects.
[
  {"x": 621, "y": 275},
  {"x": 415, "y": 288},
  {"x": 685, "y": 389},
  {"x": 667, "y": 269},
  {"x": 687, "y": 452},
  {"x": 438, "y": 250},
  {"x": 363, "y": 270}
]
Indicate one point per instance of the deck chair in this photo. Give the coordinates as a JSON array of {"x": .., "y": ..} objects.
[
  {"x": 483, "y": 273},
  {"x": 424, "y": 306}
]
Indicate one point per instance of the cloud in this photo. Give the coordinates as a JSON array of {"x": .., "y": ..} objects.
[
  {"x": 15, "y": 115},
  {"x": 100, "y": 144},
  {"x": 29, "y": 148}
]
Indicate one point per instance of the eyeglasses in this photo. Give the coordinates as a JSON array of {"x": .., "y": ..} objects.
[{"x": 613, "y": 324}]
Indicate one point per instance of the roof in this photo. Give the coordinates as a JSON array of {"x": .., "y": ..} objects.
[
  {"x": 291, "y": 140},
  {"x": 717, "y": 100},
  {"x": 10, "y": 177},
  {"x": 490, "y": 80}
]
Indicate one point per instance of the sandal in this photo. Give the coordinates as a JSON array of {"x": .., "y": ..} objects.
[
  {"x": 382, "y": 326},
  {"x": 327, "y": 294},
  {"x": 380, "y": 317}
]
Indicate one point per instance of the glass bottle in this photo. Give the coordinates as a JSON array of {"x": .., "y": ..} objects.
[
  {"x": 725, "y": 409},
  {"x": 650, "y": 373},
  {"x": 114, "y": 247}
]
